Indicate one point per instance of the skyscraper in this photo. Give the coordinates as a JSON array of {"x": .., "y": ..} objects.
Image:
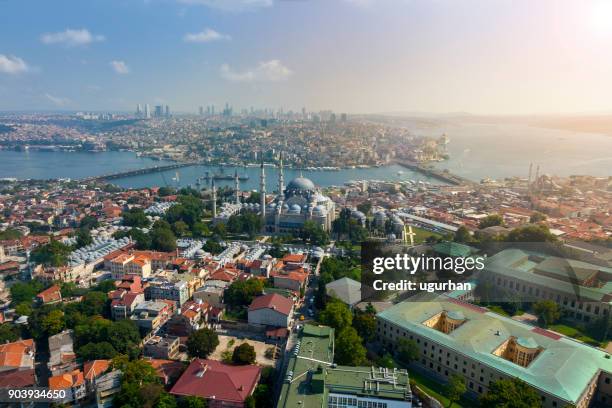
[
  {"x": 159, "y": 111},
  {"x": 139, "y": 110},
  {"x": 201, "y": 111},
  {"x": 147, "y": 111},
  {"x": 167, "y": 111}
]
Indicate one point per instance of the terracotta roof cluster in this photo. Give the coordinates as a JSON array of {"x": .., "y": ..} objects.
[
  {"x": 19, "y": 354},
  {"x": 66, "y": 380}
]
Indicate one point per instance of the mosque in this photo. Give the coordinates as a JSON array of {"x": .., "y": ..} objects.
[{"x": 301, "y": 201}]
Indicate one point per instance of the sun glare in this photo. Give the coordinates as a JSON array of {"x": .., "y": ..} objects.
[{"x": 601, "y": 17}]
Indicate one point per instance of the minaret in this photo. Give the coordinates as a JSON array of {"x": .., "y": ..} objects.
[
  {"x": 214, "y": 198},
  {"x": 237, "y": 187},
  {"x": 281, "y": 176},
  {"x": 262, "y": 193}
]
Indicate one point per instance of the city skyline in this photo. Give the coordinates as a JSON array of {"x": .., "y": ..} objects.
[{"x": 354, "y": 56}]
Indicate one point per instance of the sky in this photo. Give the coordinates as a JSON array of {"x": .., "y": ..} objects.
[{"x": 355, "y": 56}]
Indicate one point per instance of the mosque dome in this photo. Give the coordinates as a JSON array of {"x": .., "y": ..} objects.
[{"x": 301, "y": 184}]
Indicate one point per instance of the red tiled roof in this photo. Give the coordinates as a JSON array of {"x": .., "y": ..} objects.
[
  {"x": 50, "y": 294},
  {"x": 210, "y": 378},
  {"x": 294, "y": 258},
  {"x": 272, "y": 301},
  {"x": 95, "y": 368},
  {"x": 11, "y": 354},
  {"x": 17, "y": 378}
]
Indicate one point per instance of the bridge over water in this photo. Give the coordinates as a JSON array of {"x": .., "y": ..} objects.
[
  {"x": 136, "y": 172},
  {"x": 435, "y": 173}
]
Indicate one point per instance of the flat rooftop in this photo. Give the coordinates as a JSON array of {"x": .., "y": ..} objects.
[
  {"x": 310, "y": 375},
  {"x": 563, "y": 368},
  {"x": 553, "y": 272}
]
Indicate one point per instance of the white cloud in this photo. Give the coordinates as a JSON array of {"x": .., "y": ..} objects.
[
  {"x": 230, "y": 5},
  {"x": 271, "y": 71},
  {"x": 206, "y": 35},
  {"x": 120, "y": 67},
  {"x": 71, "y": 37},
  {"x": 10, "y": 64},
  {"x": 57, "y": 100}
]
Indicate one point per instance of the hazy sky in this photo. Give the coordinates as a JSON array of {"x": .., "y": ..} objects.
[{"x": 478, "y": 56}]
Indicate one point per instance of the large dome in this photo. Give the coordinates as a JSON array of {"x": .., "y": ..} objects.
[{"x": 301, "y": 184}]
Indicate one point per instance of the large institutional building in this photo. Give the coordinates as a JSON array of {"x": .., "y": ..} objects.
[
  {"x": 459, "y": 338},
  {"x": 583, "y": 290},
  {"x": 312, "y": 380},
  {"x": 301, "y": 201}
]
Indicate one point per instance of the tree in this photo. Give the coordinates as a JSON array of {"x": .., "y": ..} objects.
[
  {"x": 407, "y": 350},
  {"x": 201, "y": 343},
  {"x": 53, "y": 323},
  {"x": 52, "y": 254},
  {"x": 165, "y": 400},
  {"x": 97, "y": 351},
  {"x": 10, "y": 234},
  {"x": 313, "y": 232},
  {"x": 219, "y": 229},
  {"x": 462, "y": 235},
  {"x": 263, "y": 395},
  {"x": 365, "y": 207},
  {"x": 124, "y": 336},
  {"x": 537, "y": 217},
  {"x": 349, "y": 348},
  {"x": 192, "y": 402},
  {"x": 140, "y": 385},
  {"x": 242, "y": 293},
  {"x": 181, "y": 229},
  {"x": 94, "y": 303},
  {"x": 8, "y": 333},
  {"x": 83, "y": 238},
  {"x": 213, "y": 246},
  {"x": 512, "y": 393},
  {"x": 365, "y": 324},
  {"x": 23, "y": 309},
  {"x": 163, "y": 239},
  {"x": 337, "y": 315},
  {"x": 531, "y": 233},
  {"x": 244, "y": 354},
  {"x": 166, "y": 191},
  {"x": 135, "y": 218},
  {"x": 89, "y": 222},
  {"x": 491, "y": 221},
  {"x": 547, "y": 312},
  {"x": 25, "y": 291},
  {"x": 455, "y": 388}
]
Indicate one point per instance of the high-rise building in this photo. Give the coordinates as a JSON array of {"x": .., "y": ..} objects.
[
  {"x": 167, "y": 111},
  {"x": 147, "y": 111},
  {"x": 201, "y": 111},
  {"x": 159, "y": 111},
  {"x": 139, "y": 110}
]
